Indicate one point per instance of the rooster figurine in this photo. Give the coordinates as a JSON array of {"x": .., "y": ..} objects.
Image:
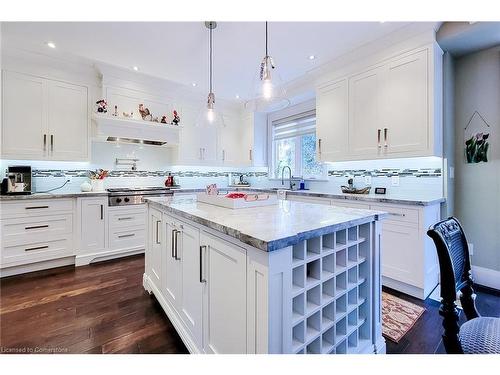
[{"x": 145, "y": 114}]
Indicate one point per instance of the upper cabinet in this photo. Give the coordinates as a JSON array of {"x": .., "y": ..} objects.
[
  {"x": 392, "y": 110},
  {"x": 243, "y": 140},
  {"x": 44, "y": 119},
  {"x": 331, "y": 121}
]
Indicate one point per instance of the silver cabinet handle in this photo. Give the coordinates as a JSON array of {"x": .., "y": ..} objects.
[
  {"x": 250, "y": 154},
  {"x": 223, "y": 155},
  {"x": 36, "y": 248},
  {"x": 157, "y": 231},
  {"x": 378, "y": 138},
  {"x": 177, "y": 245},
  {"x": 125, "y": 218},
  {"x": 36, "y": 207},
  {"x": 52, "y": 142},
  {"x": 397, "y": 214},
  {"x": 385, "y": 137},
  {"x": 36, "y": 227},
  {"x": 102, "y": 212},
  {"x": 202, "y": 279},
  {"x": 126, "y": 235},
  {"x": 172, "y": 245},
  {"x": 319, "y": 146},
  {"x": 45, "y": 142}
]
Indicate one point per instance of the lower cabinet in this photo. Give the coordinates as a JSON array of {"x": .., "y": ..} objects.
[
  {"x": 92, "y": 224},
  {"x": 202, "y": 280},
  {"x": 224, "y": 298}
]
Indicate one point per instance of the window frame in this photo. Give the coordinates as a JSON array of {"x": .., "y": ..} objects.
[{"x": 295, "y": 110}]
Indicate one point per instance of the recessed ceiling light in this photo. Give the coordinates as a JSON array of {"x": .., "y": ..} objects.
[
  {"x": 135, "y": 68},
  {"x": 51, "y": 45},
  {"x": 237, "y": 96},
  {"x": 193, "y": 84},
  {"x": 312, "y": 57}
]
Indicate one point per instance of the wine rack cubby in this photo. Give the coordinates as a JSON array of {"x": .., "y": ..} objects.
[{"x": 331, "y": 292}]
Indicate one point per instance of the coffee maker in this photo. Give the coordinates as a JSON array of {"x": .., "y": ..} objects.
[{"x": 18, "y": 181}]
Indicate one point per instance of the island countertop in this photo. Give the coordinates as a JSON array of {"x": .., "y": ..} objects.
[{"x": 271, "y": 227}]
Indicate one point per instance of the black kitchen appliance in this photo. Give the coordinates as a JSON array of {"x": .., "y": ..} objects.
[{"x": 19, "y": 180}]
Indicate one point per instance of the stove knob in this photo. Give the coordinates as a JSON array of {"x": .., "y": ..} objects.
[
  {"x": 118, "y": 200},
  {"x": 126, "y": 200}
]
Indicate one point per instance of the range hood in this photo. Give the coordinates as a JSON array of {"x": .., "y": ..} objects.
[{"x": 118, "y": 129}]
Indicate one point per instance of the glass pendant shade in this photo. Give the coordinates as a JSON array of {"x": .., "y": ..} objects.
[
  {"x": 269, "y": 93},
  {"x": 208, "y": 115}
]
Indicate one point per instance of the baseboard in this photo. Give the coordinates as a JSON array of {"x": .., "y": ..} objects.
[
  {"x": 404, "y": 288},
  {"x": 38, "y": 266},
  {"x": 83, "y": 260},
  {"x": 486, "y": 276}
]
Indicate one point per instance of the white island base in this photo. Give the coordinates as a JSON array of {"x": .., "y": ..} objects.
[{"x": 320, "y": 295}]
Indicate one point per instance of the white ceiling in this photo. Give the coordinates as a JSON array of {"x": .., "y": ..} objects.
[{"x": 178, "y": 51}]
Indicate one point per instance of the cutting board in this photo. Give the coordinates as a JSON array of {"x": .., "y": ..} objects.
[{"x": 222, "y": 201}]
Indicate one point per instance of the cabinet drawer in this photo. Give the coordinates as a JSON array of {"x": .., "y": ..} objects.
[
  {"x": 126, "y": 218},
  {"x": 37, "y": 252},
  {"x": 350, "y": 204},
  {"x": 32, "y": 207},
  {"x": 29, "y": 230},
  {"x": 398, "y": 214},
  {"x": 127, "y": 238}
]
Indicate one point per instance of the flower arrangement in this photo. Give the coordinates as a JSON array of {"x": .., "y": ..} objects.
[
  {"x": 476, "y": 148},
  {"x": 99, "y": 174}
]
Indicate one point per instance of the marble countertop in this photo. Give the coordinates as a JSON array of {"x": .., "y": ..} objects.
[
  {"x": 267, "y": 228},
  {"x": 53, "y": 195},
  {"x": 416, "y": 199}
]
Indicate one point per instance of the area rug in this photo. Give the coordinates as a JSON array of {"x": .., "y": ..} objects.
[{"x": 398, "y": 316}]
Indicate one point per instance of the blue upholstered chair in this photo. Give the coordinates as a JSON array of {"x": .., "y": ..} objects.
[{"x": 478, "y": 334}]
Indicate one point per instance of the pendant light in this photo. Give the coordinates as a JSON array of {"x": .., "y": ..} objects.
[
  {"x": 208, "y": 115},
  {"x": 269, "y": 93}
]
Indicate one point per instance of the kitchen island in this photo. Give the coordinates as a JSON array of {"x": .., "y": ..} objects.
[{"x": 286, "y": 278}]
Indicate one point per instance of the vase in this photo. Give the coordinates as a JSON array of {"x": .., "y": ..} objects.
[{"x": 97, "y": 185}]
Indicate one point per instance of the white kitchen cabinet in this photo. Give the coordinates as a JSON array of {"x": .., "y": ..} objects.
[
  {"x": 44, "y": 119},
  {"x": 224, "y": 297},
  {"x": 198, "y": 144},
  {"x": 364, "y": 114},
  {"x": 24, "y": 122},
  {"x": 332, "y": 121},
  {"x": 191, "y": 296},
  {"x": 33, "y": 232},
  {"x": 230, "y": 150},
  {"x": 173, "y": 267},
  {"x": 394, "y": 109},
  {"x": 68, "y": 121},
  {"x": 92, "y": 226},
  {"x": 399, "y": 255},
  {"x": 404, "y": 106},
  {"x": 155, "y": 253}
]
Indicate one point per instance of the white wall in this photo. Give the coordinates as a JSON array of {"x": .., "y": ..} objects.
[{"x": 477, "y": 186}]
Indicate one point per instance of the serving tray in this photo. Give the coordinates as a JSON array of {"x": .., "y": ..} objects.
[{"x": 222, "y": 201}]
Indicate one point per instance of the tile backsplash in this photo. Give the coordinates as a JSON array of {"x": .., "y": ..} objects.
[{"x": 416, "y": 175}]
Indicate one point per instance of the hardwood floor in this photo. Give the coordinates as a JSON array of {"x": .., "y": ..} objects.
[
  {"x": 100, "y": 308},
  {"x": 103, "y": 308}
]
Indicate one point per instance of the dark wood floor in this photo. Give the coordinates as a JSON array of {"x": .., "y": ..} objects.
[{"x": 103, "y": 308}]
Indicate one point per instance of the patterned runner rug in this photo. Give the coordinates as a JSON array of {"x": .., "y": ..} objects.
[{"x": 398, "y": 316}]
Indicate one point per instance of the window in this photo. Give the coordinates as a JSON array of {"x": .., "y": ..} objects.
[{"x": 294, "y": 145}]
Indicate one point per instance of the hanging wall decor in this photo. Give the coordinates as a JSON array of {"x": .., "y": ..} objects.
[{"x": 476, "y": 139}]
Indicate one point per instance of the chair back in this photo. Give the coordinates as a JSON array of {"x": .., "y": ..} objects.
[{"x": 453, "y": 255}]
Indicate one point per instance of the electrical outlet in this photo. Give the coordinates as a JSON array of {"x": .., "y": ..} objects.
[
  {"x": 395, "y": 180},
  {"x": 471, "y": 248},
  {"x": 452, "y": 172},
  {"x": 368, "y": 180}
]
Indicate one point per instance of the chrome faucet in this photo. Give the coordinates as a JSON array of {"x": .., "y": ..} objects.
[{"x": 283, "y": 178}]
